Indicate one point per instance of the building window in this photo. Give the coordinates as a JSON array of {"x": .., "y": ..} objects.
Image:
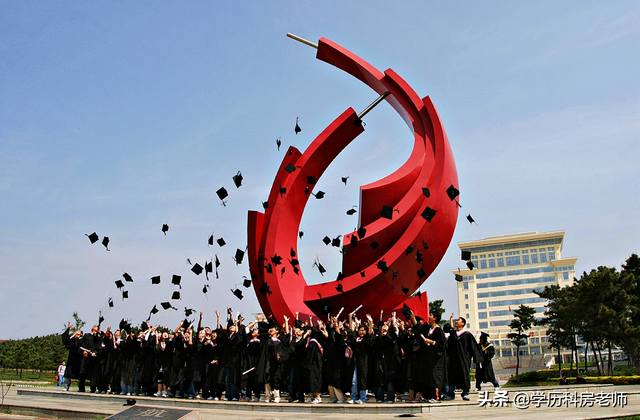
[
  {"x": 534, "y": 258},
  {"x": 552, "y": 256},
  {"x": 565, "y": 275},
  {"x": 466, "y": 296},
  {"x": 506, "y": 353},
  {"x": 483, "y": 325},
  {"x": 499, "y": 313},
  {"x": 467, "y": 317},
  {"x": 465, "y": 285},
  {"x": 535, "y": 350},
  {"x": 511, "y": 261},
  {"x": 466, "y": 306},
  {"x": 492, "y": 263},
  {"x": 482, "y": 305},
  {"x": 506, "y": 342},
  {"x": 551, "y": 249},
  {"x": 543, "y": 257},
  {"x": 483, "y": 264},
  {"x": 500, "y": 262},
  {"x": 545, "y": 339},
  {"x": 499, "y": 323},
  {"x": 482, "y": 315},
  {"x": 524, "y": 352},
  {"x": 525, "y": 259},
  {"x": 535, "y": 340}
]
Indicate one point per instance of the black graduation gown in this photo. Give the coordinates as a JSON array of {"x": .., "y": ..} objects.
[
  {"x": 231, "y": 358},
  {"x": 88, "y": 365},
  {"x": 410, "y": 343},
  {"x": 250, "y": 359},
  {"x": 361, "y": 348},
  {"x": 462, "y": 348},
  {"x": 485, "y": 373},
  {"x": 334, "y": 365},
  {"x": 162, "y": 360},
  {"x": 72, "y": 344},
  {"x": 271, "y": 363},
  {"x": 312, "y": 363},
  {"x": 433, "y": 358}
]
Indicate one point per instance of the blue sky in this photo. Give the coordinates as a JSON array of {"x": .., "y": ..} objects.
[{"x": 119, "y": 117}]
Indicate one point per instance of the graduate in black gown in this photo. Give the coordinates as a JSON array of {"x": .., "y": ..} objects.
[
  {"x": 361, "y": 345},
  {"x": 484, "y": 369},
  {"x": 72, "y": 343},
  {"x": 463, "y": 347},
  {"x": 433, "y": 362}
]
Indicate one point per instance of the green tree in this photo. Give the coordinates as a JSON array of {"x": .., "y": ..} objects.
[
  {"x": 559, "y": 318},
  {"x": 523, "y": 320},
  {"x": 78, "y": 323},
  {"x": 435, "y": 307}
]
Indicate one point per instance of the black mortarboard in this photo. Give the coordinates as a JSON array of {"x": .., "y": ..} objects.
[
  {"x": 484, "y": 334},
  {"x": 425, "y": 245},
  {"x": 105, "y": 242},
  {"x": 276, "y": 259},
  {"x": 292, "y": 253},
  {"x": 176, "y": 280},
  {"x": 165, "y": 228},
  {"x": 143, "y": 326},
  {"x": 319, "y": 195},
  {"x": 125, "y": 294},
  {"x": 297, "y": 128},
  {"x": 221, "y": 242},
  {"x": 426, "y": 192},
  {"x": 208, "y": 268},
  {"x": 210, "y": 240},
  {"x": 110, "y": 303},
  {"x": 155, "y": 280},
  {"x": 382, "y": 265},
  {"x": 122, "y": 324},
  {"x": 127, "y": 277},
  {"x": 419, "y": 256},
  {"x": 344, "y": 179},
  {"x": 222, "y": 193},
  {"x": 362, "y": 273},
  {"x": 154, "y": 310},
  {"x": 283, "y": 190},
  {"x": 466, "y": 255},
  {"x": 340, "y": 276},
  {"x": 188, "y": 312},
  {"x": 406, "y": 311},
  {"x": 283, "y": 270},
  {"x": 339, "y": 288},
  {"x": 264, "y": 289},
  {"x": 311, "y": 180},
  {"x": 387, "y": 212},
  {"x": 100, "y": 318},
  {"x": 361, "y": 232},
  {"x": 294, "y": 262},
  {"x": 374, "y": 245},
  {"x": 405, "y": 290},
  {"x": 306, "y": 191},
  {"x": 278, "y": 143},
  {"x": 352, "y": 211},
  {"x": 246, "y": 282},
  {"x": 290, "y": 168},
  {"x": 395, "y": 274},
  {"x": 470, "y": 265},
  {"x": 428, "y": 213},
  {"x": 197, "y": 269},
  {"x": 321, "y": 269},
  {"x": 237, "y": 179},
  {"x": 167, "y": 305},
  {"x": 459, "y": 277},
  {"x": 470, "y": 219},
  {"x": 93, "y": 237},
  {"x": 326, "y": 240},
  {"x": 409, "y": 250},
  {"x": 269, "y": 268},
  {"x": 300, "y": 234},
  {"x": 422, "y": 273},
  {"x": 265, "y": 205},
  {"x": 175, "y": 295},
  {"x": 335, "y": 242},
  {"x": 185, "y": 324},
  {"x": 119, "y": 284},
  {"x": 452, "y": 192},
  {"x": 326, "y": 307}
]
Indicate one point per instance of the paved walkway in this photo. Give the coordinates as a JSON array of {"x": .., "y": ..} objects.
[{"x": 50, "y": 402}]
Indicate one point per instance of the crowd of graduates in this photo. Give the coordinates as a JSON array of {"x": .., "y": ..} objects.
[{"x": 305, "y": 360}]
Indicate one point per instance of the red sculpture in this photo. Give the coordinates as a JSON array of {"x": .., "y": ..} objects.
[{"x": 407, "y": 219}]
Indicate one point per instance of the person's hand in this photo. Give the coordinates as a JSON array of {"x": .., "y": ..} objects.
[
  {"x": 201, "y": 313},
  {"x": 69, "y": 324},
  {"x": 369, "y": 318},
  {"x": 218, "y": 314},
  {"x": 230, "y": 311},
  {"x": 451, "y": 317},
  {"x": 286, "y": 319}
]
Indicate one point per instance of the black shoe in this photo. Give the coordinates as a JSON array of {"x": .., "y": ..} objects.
[{"x": 466, "y": 398}]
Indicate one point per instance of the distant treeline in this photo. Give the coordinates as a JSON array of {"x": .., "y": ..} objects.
[{"x": 37, "y": 353}]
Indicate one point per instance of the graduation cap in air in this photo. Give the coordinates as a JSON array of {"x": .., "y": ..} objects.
[
  {"x": 361, "y": 232},
  {"x": 426, "y": 192},
  {"x": 276, "y": 259},
  {"x": 110, "y": 303},
  {"x": 210, "y": 240},
  {"x": 374, "y": 245},
  {"x": 452, "y": 192},
  {"x": 292, "y": 253},
  {"x": 127, "y": 277},
  {"x": 353, "y": 242},
  {"x": 326, "y": 240},
  {"x": 208, "y": 268},
  {"x": 425, "y": 245},
  {"x": 222, "y": 194},
  {"x": 278, "y": 143},
  {"x": 93, "y": 237},
  {"x": 340, "y": 276},
  {"x": 269, "y": 268},
  {"x": 155, "y": 280},
  {"x": 297, "y": 128},
  {"x": 176, "y": 280},
  {"x": 290, "y": 168},
  {"x": 319, "y": 195},
  {"x": 344, "y": 179},
  {"x": 362, "y": 273},
  {"x": 405, "y": 290},
  {"x": 382, "y": 265},
  {"x": 300, "y": 234},
  {"x": 167, "y": 305},
  {"x": 321, "y": 269},
  {"x": 470, "y": 265},
  {"x": 422, "y": 273},
  {"x": 339, "y": 288},
  {"x": 217, "y": 262},
  {"x": 153, "y": 311},
  {"x": 125, "y": 294},
  {"x": 123, "y": 324},
  {"x": 185, "y": 324},
  {"x": 419, "y": 257},
  {"x": 283, "y": 190},
  {"x": 306, "y": 191},
  {"x": 336, "y": 242},
  {"x": 175, "y": 295},
  {"x": 221, "y": 242},
  {"x": 197, "y": 269},
  {"x": 470, "y": 219},
  {"x": 264, "y": 289},
  {"x": 395, "y": 275},
  {"x": 237, "y": 179},
  {"x": 326, "y": 307},
  {"x": 239, "y": 256},
  {"x": 265, "y": 205},
  {"x": 311, "y": 180},
  {"x": 406, "y": 311},
  {"x": 465, "y": 255},
  {"x": 428, "y": 213},
  {"x": 387, "y": 212},
  {"x": 143, "y": 326},
  {"x": 119, "y": 284},
  {"x": 237, "y": 293},
  {"x": 409, "y": 250},
  {"x": 246, "y": 282},
  {"x": 105, "y": 242},
  {"x": 188, "y": 312},
  {"x": 100, "y": 318},
  {"x": 459, "y": 277},
  {"x": 205, "y": 289},
  {"x": 352, "y": 211},
  {"x": 165, "y": 228}
]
